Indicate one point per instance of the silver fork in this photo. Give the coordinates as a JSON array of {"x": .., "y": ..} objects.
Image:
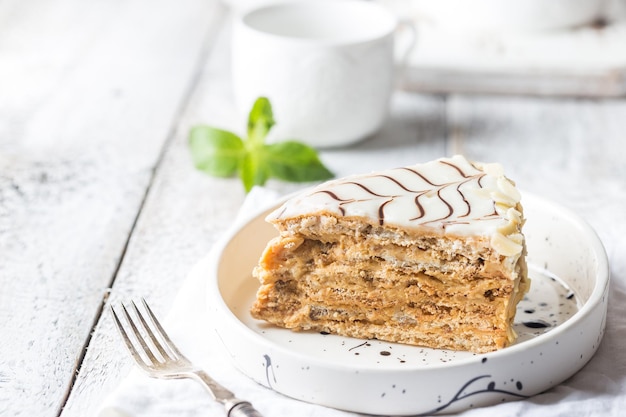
[{"x": 156, "y": 355}]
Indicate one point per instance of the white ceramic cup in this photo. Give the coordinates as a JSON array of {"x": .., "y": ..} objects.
[{"x": 327, "y": 67}]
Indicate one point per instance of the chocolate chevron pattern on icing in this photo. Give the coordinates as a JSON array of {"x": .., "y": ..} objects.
[{"x": 450, "y": 194}]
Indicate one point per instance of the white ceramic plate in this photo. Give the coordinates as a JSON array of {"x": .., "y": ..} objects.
[{"x": 560, "y": 323}]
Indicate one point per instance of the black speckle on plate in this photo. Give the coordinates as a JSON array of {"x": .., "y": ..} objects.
[{"x": 538, "y": 324}]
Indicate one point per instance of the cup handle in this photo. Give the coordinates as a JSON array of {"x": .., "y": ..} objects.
[{"x": 406, "y": 31}]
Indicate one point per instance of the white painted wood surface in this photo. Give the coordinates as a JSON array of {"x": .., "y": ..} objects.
[
  {"x": 99, "y": 200},
  {"x": 89, "y": 94},
  {"x": 584, "y": 61}
]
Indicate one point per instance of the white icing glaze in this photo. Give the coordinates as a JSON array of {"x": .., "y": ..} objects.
[{"x": 449, "y": 194}]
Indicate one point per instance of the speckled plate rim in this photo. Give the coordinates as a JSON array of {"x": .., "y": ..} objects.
[{"x": 232, "y": 331}]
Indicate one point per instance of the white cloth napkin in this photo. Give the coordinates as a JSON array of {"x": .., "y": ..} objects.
[{"x": 597, "y": 390}]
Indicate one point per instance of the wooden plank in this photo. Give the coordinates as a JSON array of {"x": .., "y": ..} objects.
[
  {"x": 89, "y": 93},
  {"x": 537, "y": 137},
  {"x": 610, "y": 82},
  {"x": 187, "y": 211}
]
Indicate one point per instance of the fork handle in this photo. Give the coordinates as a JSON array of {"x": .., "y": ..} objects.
[
  {"x": 242, "y": 409},
  {"x": 234, "y": 406}
]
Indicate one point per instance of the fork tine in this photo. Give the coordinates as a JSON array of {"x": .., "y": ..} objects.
[
  {"x": 162, "y": 331},
  {"x": 131, "y": 348},
  {"x": 146, "y": 348},
  {"x": 156, "y": 340}
]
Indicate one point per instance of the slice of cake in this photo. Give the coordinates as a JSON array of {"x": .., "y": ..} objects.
[{"x": 430, "y": 255}]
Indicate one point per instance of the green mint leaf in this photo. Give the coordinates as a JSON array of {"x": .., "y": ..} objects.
[
  {"x": 253, "y": 171},
  {"x": 221, "y": 153},
  {"x": 215, "y": 151},
  {"x": 294, "y": 161},
  {"x": 260, "y": 120}
]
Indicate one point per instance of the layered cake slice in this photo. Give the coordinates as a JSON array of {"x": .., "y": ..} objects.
[{"x": 430, "y": 255}]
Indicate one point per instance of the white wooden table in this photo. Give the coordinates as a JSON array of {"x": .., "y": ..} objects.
[{"x": 99, "y": 200}]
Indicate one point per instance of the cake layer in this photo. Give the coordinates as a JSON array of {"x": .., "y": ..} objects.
[
  {"x": 314, "y": 285},
  {"x": 299, "y": 257}
]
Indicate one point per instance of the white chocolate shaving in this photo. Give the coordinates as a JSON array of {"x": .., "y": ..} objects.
[{"x": 505, "y": 245}]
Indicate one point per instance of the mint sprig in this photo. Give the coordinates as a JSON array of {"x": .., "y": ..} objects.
[{"x": 223, "y": 154}]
